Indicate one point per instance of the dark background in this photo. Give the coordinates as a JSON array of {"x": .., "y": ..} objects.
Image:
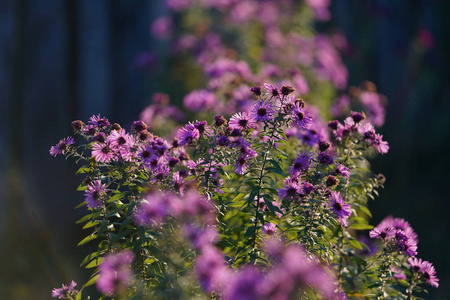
[{"x": 67, "y": 60}]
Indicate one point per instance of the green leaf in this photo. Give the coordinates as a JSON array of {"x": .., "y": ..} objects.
[
  {"x": 278, "y": 168},
  {"x": 80, "y": 205},
  {"x": 91, "y": 281},
  {"x": 253, "y": 193},
  {"x": 83, "y": 219},
  {"x": 78, "y": 297},
  {"x": 82, "y": 170},
  {"x": 82, "y": 187},
  {"x": 359, "y": 226},
  {"x": 116, "y": 197},
  {"x": 238, "y": 197},
  {"x": 88, "y": 258},
  {"x": 250, "y": 231},
  {"x": 87, "y": 239},
  {"x": 94, "y": 263},
  {"x": 356, "y": 244},
  {"x": 90, "y": 224},
  {"x": 365, "y": 210}
]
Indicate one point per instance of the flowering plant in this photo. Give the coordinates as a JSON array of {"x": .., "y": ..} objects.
[{"x": 247, "y": 207}]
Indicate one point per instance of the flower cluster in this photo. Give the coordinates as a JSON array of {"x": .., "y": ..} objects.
[{"x": 264, "y": 204}]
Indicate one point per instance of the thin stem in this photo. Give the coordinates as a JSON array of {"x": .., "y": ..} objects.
[{"x": 260, "y": 178}]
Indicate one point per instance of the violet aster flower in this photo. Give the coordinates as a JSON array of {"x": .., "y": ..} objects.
[
  {"x": 405, "y": 244},
  {"x": 62, "y": 146},
  {"x": 151, "y": 211},
  {"x": 381, "y": 146},
  {"x": 357, "y": 116},
  {"x": 426, "y": 269},
  {"x": 262, "y": 111},
  {"x": 415, "y": 263},
  {"x": 429, "y": 273},
  {"x": 343, "y": 170},
  {"x": 300, "y": 116},
  {"x": 382, "y": 233},
  {"x": 200, "y": 237},
  {"x": 245, "y": 285},
  {"x": 241, "y": 164},
  {"x": 100, "y": 137},
  {"x": 211, "y": 269},
  {"x": 301, "y": 162},
  {"x": 398, "y": 274},
  {"x": 115, "y": 273},
  {"x": 65, "y": 291},
  {"x": 271, "y": 90},
  {"x": 291, "y": 189},
  {"x": 242, "y": 121},
  {"x": 187, "y": 134},
  {"x": 203, "y": 128},
  {"x": 199, "y": 100},
  {"x": 95, "y": 193},
  {"x": 342, "y": 210},
  {"x": 119, "y": 138},
  {"x": 256, "y": 90},
  {"x": 325, "y": 158},
  {"x": 103, "y": 152},
  {"x": 269, "y": 228},
  {"x": 308, "y": 187},
  {"x": 99, "y": 121}
]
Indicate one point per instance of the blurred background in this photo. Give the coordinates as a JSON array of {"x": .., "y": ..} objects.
[{"x": 67, "y": 60}]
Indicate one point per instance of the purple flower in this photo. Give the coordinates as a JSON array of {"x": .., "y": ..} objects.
[
  {"x": 99, "y": 121},
  {"x": 269, "y": 228},
  {"x": 397, "y": 232},
  {"x": 357, "y": 116},
  {"x": 343, "y": 170},
  {"x": 241, "y": 164},
  {"x": 398, "y": 274},
  {"x": 162, "y": 28},
  {"x": 95, "y": 193},
  {"x": 405, "y": 244},
  {"x": 119, "y": 138},
  {"x": 152, "y": 210},
  {"x": 211, "y": 269},
  {"x": 242, "y": 121},
  {"x": 100, "y": 137},
  {"x": 245, "y": 285},
  {"x": 256, "y": 90},
  {"x": 426, "y": 269},
  {"x": 382, "y": 233},
  {"x": 325, "y": 158},
  {"x": 307, "y": 188},
  {"x": 65, "y": 291},
  {"x": 271, "y": 90},
  {"x": 342, "y": 210},
  {"x": 200, "y": 238},
  {"x": 300, "y": 163},
  {"x": 374, "y": 108},
  {"x": 159, "y": 173},
  {"x": 103, "y": 152},
  {"x": 381, "y": 146},
  {"x": 199, "y": 100},
  {"x": 291, "y": 189},
  {"x": 300, "y": 116},
  {"x": 187, "y": 134},
  {"x": 62, "y": 146},
  {"x": 429, "y": 273},
  {"x": 262, "y": 111},
  {"x": 115, "y": 273},
  {"x": 139, "y": 126}
]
